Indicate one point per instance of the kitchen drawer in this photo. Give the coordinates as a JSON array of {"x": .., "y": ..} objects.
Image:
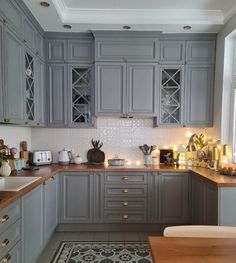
[
  {"x": 125, "y": 217},
  {"x": 126, "y": 191},
  {"x": 126, "y": 178},
  {"x": 10, "y": 237},
  {"x": 14, "y": 255},
  {"x": 9, "y": 215},
  {"x": 126, "y": 203}
]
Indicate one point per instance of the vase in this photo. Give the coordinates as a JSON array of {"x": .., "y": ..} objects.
[
  {"x": 147, "y": 159},
  {"x": 5, "y": 169}
]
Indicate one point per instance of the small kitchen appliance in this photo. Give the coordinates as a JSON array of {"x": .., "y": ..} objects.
[
  {"x": 65, "y": 157},
  {"x": 41, "y": 157}
]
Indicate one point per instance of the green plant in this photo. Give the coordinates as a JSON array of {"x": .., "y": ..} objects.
[{"x": 5, "y": 157}]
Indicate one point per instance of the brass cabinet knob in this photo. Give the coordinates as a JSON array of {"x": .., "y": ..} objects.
[
  {"x": 7, "y": 258},
  {"x": 4, "y": 218},
  {"x": 5, "y": 242},
  {"x": 125, "y": 178},
  {"x": 125, "y": 190},
  {"x": 125, "y": 204},
  {"x": 125, "y": 216}
]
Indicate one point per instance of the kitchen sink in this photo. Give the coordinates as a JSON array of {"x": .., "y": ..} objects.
[{"x": 16, "y": 183}]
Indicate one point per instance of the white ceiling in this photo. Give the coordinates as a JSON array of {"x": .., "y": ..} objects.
[{"x": 169, "y": 16}]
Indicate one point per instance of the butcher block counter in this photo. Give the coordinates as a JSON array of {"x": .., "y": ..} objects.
[{"x": 46, "y": 172}]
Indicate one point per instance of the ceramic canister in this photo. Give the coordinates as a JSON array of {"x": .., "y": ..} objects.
[{"x": 5, "y": 169}]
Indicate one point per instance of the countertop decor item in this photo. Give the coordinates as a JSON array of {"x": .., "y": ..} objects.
[
  {"x": 5, "y": 156},
  {"x": 147, "y": 151},
  {"x": 116, "y": 162},
  {"x": 24, "y": 153},
  {"x": 95, "y": 155},
  {"x": 64, "y": 157},
  {"x": 5, "y": 169}
]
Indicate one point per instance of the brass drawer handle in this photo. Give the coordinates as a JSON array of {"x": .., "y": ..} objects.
[
  {"x": 125, "y": 216},
  {"x": 125, "y": 190},
  {"x": 125, "y": 204},
  {"x": 6, "y": 258},
  {"x": 125, "y": 178},
  {"x": 5, "y": 242},
  {"x": 4, "y": 218}
]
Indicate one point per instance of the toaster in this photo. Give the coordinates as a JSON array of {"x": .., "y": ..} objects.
[{"x": 40, "y": 157}]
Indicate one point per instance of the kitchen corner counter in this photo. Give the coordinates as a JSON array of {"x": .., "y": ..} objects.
[{"x": 46, "y": 172}]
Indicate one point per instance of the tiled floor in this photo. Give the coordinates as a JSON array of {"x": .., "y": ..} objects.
[{"x": 54, "y": 242}]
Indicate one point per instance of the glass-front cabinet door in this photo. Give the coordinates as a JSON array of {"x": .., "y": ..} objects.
[
  {"x": 171, "y": 96},
  {"x": 81, "y": 90},
  {"x": 29, "y": 88}
]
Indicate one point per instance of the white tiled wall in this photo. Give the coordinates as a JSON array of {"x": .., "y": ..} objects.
[
  {"x": 13, "y": 135},
  {"x": 120, "y": 137}
]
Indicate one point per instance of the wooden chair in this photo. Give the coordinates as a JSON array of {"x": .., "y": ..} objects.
[{"x": 200, "y": 231}]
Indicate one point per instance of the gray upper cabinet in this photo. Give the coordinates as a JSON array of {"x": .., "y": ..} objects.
[
  {"x": 172, "y": 52},
  {"x": 57, "y": 95},
  {"x": 39, "y": 45},
  {"x": 56, "y": 50},
  {"x": 1, "y": 74},
  {"x": 32, "y": 221},
  {"x": 199, "y": 95},
  {"x": 80, "y": 51},
  {"x": 110, "y": 81},
  {"x": 77, "y": 198},
  {"x": 200, "y": 52},
  {"x": 141, "y": 86},
  {"x": 12, "y": 15},
  {"x": 14, "y": 106},
  {"x": 174, "y": 198},
  {"x": 29, "y": 34}
]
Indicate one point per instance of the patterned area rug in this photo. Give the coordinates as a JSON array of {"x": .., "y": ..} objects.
[{"x": 102, "y": 252}]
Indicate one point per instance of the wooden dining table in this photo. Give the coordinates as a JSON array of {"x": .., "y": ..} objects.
[{"x": 192, "y": 250}]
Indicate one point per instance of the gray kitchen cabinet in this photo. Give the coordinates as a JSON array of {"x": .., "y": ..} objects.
[
  {"x": 56, "y": 50},
  {"x": 211, "y": 203},
  {"x": 77, "y": 198},
  {"x": 80, "y": 51},
  {"x": 110, "y": 88},
  {"x": 142, "y": 88},
  {"x": 200, "y": 52},
  {"x": 57, "y": 95},
  {"x": 14, "y": 255},
  {"x": 13, "y": 81},
  {"x": 32, "y": 224},
  {"x": 1, "y": 74},
  {"x": 50, "y": 207},
  {"x": 174, "y": 198},
  {"x": 98, "y": 197},
  {"x": 172, "y": 52},
  {"x": 199, "y": 95},
  {"x": 12, "y": 16},
  {"x": 39, "y": 45},
  {"x": 29, "y": 34},
  {"x": 40, "y": 92}
]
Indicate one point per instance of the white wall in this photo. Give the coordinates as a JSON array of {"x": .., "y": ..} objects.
[
  {"x": 13, "y": 135},
  {"x": 119, "y": 136}
]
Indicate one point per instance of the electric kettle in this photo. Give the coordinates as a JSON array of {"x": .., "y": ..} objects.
[{"x": 64, "y": 157}]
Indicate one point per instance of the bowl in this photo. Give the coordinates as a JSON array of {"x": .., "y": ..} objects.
[{"x": 116, "y": 162}]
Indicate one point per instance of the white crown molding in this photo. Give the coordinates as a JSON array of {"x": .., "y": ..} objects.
[
  {"x": 137, "y": 16},
  {"x": 230, "y": 13}
]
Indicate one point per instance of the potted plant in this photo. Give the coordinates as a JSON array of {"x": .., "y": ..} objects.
[{"x": 5, "y": 169}]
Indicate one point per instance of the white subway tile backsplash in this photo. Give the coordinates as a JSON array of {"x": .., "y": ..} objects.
[{"x": 120, "y": 137}]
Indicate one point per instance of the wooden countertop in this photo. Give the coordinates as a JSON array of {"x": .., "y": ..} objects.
[
  {"x": 194, "y": 250},
  {"x": 46, "y": 172}
]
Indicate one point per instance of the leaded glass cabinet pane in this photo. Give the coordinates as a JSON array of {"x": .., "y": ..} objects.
[
  {"x": 81, "y": 95},
  {"x": 30, "y": 87},
  {"x": 170, "y": 99}
]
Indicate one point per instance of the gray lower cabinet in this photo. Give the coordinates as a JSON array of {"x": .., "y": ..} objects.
[
  {"x": 1, "y": 74},
  {"x": 110, "y": 88},
  {"x": 204, "y": 202},
  {"x": 173, "y": 198},
  {"x": 32, "y": 224},
  {"x": 199, "y": 95},
  {"x": 77, "y": 198},
  {"x": 14, "y": 255},
  {"x": 50, "y": 206},
  {"x": 14, "y": 102},
  {"x": 57, "y": 95}
]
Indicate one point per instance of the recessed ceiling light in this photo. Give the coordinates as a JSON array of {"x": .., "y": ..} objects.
[
  {"x": 67, "y": 26},
  {"x": 126, "y": 27},
  {"x": 187, "y": 27},
  {"x": 44, "y": 4}
]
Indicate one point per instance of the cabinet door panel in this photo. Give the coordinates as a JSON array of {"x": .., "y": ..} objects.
[
  {"x": 110, "y": 88},
  {"x": 81, "y": 51},
  {"x": 56, "y": 51},
  {"x": 32, "y": 216},
  {"x": 77, "y": 198},
  {"x": 29, "y": 34},
  {"x": 142, "y": 89},
  {"x": 211, "y": 204},
  {"x": 1, "y": 74},
  {"x": 14, "y": 85},
  {"x": 172, "y": 52},
  {"x": 174, "y": 198},
  {"x": 199, "y": 96},
  {"x": 39, "y": 45},
  {"x": 57, "y": 95}
]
